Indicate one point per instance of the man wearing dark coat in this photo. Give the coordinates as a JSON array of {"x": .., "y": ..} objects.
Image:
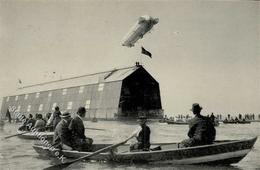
[
  {"x": 143, "y": 137},
  {"x": 80, "y": 141},
  {"x": 31, "y": 122},
  {"x": 202, "y": 130},
  {"x": 62, "y": 134}
]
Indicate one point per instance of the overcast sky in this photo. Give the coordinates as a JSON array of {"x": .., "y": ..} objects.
[{"x": 205, "y": 52}]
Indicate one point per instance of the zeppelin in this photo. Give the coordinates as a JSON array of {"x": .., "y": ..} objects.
[{"x": 141, "y": 27}]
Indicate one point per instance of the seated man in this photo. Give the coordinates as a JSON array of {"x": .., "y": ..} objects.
[
  {"x": 62, "y": 134},
  {"x": 143, "y": 138},
  {"x": 24, "y": 121},
  {"x": 30, "y": 122},
  {"x": 40, "y": 123},
  {"x": 80, "y": 141},
  {"x": 201, "y": 132}
]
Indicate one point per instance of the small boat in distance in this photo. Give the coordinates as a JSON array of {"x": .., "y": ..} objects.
[
  {"x": 94, "y": 119},
  {"x": 31, "y": 135},
  {"x": 236, "y": 121},
  {"x": 186, "y": 122},
  {"x": 220, "y": 153},
  {"x": 178, "y": 122}
]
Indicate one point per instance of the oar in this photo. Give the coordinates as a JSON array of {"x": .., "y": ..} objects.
[
  {"x": 95, "y": 129},
  {"x": 66, "y": 164},
  {"x": 23, "y": 133},
  {"x": 16, "y": 134}
]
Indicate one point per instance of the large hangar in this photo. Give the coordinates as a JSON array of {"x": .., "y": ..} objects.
[{"x": 116, "y": 94}]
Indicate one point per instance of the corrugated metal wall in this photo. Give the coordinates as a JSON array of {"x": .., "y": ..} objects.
[{"x": 100, "y": 99}]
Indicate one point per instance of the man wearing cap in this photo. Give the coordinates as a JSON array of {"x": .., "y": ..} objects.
[
  {"x": 80, "y": 141},
  {"x": 143, "y": 137},
  {"x": 62, "y": 134},
  {"x": 201, "y": 132}
]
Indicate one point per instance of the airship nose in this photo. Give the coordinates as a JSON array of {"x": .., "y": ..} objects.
[{"x": 155, "y": 20}]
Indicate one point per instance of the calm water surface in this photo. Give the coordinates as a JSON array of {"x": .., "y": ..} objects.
[{"x": 16, "y": 153}]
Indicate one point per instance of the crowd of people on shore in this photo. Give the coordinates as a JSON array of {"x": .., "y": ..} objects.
[
  {"x": 241, "y": 118},
  {"x": 219, "y": 117}
]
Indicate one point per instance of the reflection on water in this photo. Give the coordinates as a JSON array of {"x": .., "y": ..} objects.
[{"x": 16, "y": 153}]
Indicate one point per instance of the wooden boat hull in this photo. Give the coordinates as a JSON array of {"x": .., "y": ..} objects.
[
  {"x": 237, "y": 122},
  {"x": 177, "y": 123},
  {"x": 30, "y": 135},
  {"x": 221, "y": 152}
]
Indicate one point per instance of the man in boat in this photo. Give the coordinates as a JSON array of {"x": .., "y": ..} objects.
[
  {"x": 201, "y": 132},
  {"x": 55, "y": 118},
  {"x": 40, "y": 123},
  {"x": 143, "y": 137},
  {"x": 24, "y": 120},
  {"x": 80, "y": 141},
  {"x": 62, "y": 134},
  {"x": 30, "y": 122}
]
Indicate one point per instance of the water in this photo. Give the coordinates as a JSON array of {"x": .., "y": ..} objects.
[{"x": 16, "y": 153}]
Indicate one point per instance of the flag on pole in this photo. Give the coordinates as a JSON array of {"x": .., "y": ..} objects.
[{"x": 145, "y": 52}]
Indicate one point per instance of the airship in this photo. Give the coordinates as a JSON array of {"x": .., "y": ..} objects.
[{"x": 139, "y": 29}]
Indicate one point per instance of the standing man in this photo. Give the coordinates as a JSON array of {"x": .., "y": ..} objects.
[
  {"x": 55, "y": 118},
  {"x": 8, "y": 115},
  {"x": 80, "y": 141},
  {"x": 201, "y": 132},
  {"x": 62, "y": 134},
  {"x": 212, "y": 118},
  {"x": 143, "y": 138}
]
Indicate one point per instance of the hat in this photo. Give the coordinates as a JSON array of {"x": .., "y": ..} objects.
[
  {"x": 81, "y": 110},
  {"x": 196, "y": 106},
  {"x": 65, "y": 114}
]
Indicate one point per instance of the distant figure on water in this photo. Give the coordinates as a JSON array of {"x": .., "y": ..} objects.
[
  {"x": 202, "y": 130},
  {"x": 212, "y": 117},
  {"x": 143, "y": 138},
  {"x": 55, "y": 118},
  {"x": 62, "y": 134},
  {"x": 40, "y": 123},
  {"x": 8, "y": 115},
  {"x": 79, "y": 141}
]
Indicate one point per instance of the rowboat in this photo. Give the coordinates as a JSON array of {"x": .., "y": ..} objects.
[
  {"x": 31, "y": 135},
  {"x": 221, "y": 152},
  {"x": 236, "y": 122},
  {"x": 181, "y": 122},
  {"x": 178, "y": 122}
]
